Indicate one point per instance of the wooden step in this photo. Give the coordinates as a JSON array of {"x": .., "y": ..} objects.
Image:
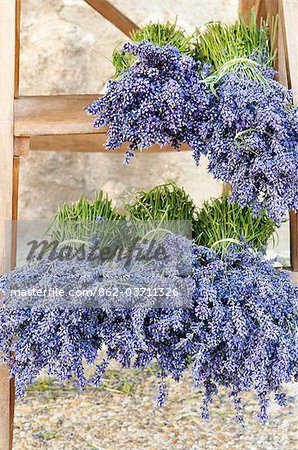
[
  {"x": 53, "y": 115},
  {"x": 92, "y": 143}
]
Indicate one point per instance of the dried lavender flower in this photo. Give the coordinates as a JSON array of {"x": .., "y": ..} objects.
[{"x": 240, "y": 333}]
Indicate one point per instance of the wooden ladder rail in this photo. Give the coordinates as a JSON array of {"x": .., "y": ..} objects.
[
  {"x": 113, "y": 15},
  {"x": 9, "y": 79}
]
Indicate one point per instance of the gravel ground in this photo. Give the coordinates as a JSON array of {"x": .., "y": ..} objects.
[{"x": 122, "y": 415}]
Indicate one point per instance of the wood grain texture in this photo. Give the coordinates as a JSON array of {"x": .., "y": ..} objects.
[
  {"x": 5, "y": 424},
  {"x": 22, "y": 146},
  {"x": 282, "y": 60},
  {"x": 271, "y": 7},
  {"x": 53, "y": 115},
  {"x": 14, "y": 233},
  {"x": 92, "y": 143},
  {"x": 294, "y": 276},
  {"x": 15, "y": 204},
  {"x": 113, "y": 15},
  {"x": 288, "y": 21},
  {"x": 283, "y": 63},
  {"x": 7, "y": 58},
  {"x": 12, "y": 395},
  {"x": 260, "y": 10}
]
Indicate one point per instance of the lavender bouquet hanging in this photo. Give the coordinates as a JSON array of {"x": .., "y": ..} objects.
[
  {"x": 239, "y": 333},
  {"x": 160, "y": 99},
  {"x": 222, "y": 101},
  {"x": 253, "y": 144}
]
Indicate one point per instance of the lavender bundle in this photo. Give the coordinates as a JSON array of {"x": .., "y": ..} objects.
[
  {"x": 230, "y": 109},
  {"x": 239, "y": 332},
  {"x": 160, "y": 99},
  {"x": 253, "y": 144},
  {"x": 244, "y": 332}
]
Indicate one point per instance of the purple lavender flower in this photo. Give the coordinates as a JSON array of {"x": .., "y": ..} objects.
[
  {"x": 239, "y": 333},
  {"x": 249, "y": 130},
  {"x": 159, "y": 100},
  {"x": 254, "y": 143},
  {"x": 243, "y": 332}
]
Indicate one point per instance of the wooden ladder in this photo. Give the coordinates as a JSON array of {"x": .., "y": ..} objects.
[{"x": 59, "y": 123}]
